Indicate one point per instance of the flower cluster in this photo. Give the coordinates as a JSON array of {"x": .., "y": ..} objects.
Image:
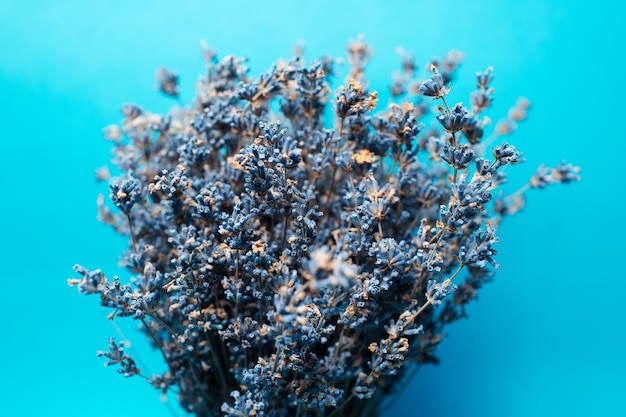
[{"x": 292, "y": 252}]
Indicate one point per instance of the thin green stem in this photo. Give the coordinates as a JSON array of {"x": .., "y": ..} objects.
[
  {"x": 396, "y": 158},
  {"x": 442, "y": 233},
  {"x": 492, "y": 138},
  {"x": 279, "y": 353},
  {"x": 429, "y": 301},
  {"x": 154, "y": 337},
  {"x": 330, "y": 193},
  {"x": 218, "y": 365},
  {"x": 164, "y": 324},
  {"x": 445, "y": 104},
  {"x": 522, "y": 190},
  {"x": 283, "y": 241},
  {"x": 343, "y": 329},
  {"x": 236, "y": 284},
  {"x": 412, "y": 318},
  {"x": 456, "y": 272},
  {"x": 132, "y": 233}
]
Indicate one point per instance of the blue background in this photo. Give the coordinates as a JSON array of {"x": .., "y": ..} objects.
[{"x": 546, "y": 338}]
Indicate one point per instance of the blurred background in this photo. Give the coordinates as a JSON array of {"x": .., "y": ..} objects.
[{"x": 546, "y": 338}]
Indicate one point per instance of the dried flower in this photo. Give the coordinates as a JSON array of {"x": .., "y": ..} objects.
[
  {"x": 434, "y": 86},
  {"x": 457, "y": 119},
  {"x": 168, "y": 82},
  {"x": 283, "y": 267}
]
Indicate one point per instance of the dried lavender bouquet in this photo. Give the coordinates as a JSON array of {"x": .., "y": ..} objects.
[{"x": 294, "y": 253}]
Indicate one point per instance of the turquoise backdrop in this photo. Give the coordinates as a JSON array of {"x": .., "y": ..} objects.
[{"x": 547, "y": 338}]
